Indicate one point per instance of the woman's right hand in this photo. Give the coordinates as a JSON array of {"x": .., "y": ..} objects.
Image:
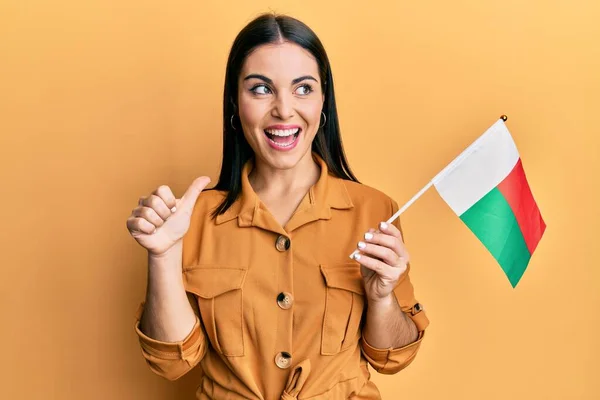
[{"x": 160, "y": 220}]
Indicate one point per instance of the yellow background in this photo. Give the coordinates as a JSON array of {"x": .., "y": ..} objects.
[{"x": 102, "y": 101}]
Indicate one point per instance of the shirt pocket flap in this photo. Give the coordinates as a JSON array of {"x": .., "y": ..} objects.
[
  {"x": 344, "y": 276},
  {"x": 211, "y": 281}
]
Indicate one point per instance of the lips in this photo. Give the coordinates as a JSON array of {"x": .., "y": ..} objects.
[{"x": 282, "y": 137}]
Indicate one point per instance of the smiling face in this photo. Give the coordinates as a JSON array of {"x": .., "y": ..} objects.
[{"x": 280, "y": 102}]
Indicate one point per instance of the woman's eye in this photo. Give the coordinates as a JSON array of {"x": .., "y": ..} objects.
[
  {"x": 304, "y": 90},
  {"x": 260, "y": 89}
]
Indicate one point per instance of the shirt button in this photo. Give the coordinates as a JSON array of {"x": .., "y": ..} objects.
[
  {"x": 283, "y": 360},
  {"x": 282, "y": 243},
  {"x": 285, "y": 300}
]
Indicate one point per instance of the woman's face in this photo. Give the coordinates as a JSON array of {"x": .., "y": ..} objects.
[{"x": 280, "y": 102}]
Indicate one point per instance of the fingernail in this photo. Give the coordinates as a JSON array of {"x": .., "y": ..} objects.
[
  {"x": 383, "y": 225},
  {"x": 362, "y": 245},
  {"x": 154, "y": 231},
  {"x": 357, "y": 256},
  {"x": 368, "y": 236},
  {"x": 173, "y": 209}
]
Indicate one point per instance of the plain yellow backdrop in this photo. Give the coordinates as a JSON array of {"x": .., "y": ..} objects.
[{"x": 102, "y": 101}]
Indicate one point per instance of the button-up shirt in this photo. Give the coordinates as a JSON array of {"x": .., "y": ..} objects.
[{"x": 280, "y": 308}]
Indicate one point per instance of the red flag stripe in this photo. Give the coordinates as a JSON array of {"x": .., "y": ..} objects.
[{"x": 517, "y": 193}]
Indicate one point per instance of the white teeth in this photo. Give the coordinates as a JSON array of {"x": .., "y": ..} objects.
[
  {"x": 282, "y": 132},
  {"x": 282, "y": 144}
]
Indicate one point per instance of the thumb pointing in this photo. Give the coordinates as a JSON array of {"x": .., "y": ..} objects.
[{"x": 191, "y": 194}]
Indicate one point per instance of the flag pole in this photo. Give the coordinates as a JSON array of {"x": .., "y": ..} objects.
[
  {"x": 409, "y": 203},
  {"x": 503, "y": 117},
  {"x": 403, "y": 208}
]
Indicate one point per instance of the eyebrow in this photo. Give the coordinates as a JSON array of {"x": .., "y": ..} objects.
[{"x": 270, "y": 81}]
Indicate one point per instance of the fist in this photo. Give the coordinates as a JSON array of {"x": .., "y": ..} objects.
[{"x": 160, "y": 220}]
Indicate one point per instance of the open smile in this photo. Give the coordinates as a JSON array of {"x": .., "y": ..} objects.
[{"x": 283, "y": 138}]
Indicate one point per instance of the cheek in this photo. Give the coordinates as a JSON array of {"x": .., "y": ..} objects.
[
  {"x": 312, "y": 115},
  {"x": 251, "y": 114},
  {"x": 252, "y": 111}
]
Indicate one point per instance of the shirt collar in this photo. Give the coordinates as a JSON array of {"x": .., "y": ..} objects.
[{"x": 327, "y": 193}]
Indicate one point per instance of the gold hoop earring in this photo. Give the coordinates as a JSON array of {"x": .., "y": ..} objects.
[
  {"x": 324, "y": 119},
  {"x": 231, "y": 122}
]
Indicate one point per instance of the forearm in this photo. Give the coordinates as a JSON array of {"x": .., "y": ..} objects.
[
  {"x": 387, "y": 326},
  {"x": 167, "y": 315}
]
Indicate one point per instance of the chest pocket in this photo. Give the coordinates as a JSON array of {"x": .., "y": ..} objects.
[
  {"x": 344, "y": 305},
  {"x": 219, "y": 291}
]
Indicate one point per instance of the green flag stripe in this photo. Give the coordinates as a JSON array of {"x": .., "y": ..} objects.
[{"x": 492, "y": 220}]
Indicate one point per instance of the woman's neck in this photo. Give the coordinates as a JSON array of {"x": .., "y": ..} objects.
[{"x": 272, "y": 182}]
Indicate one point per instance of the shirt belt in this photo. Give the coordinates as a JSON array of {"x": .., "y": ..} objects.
[{"x": 296, "y": 380}]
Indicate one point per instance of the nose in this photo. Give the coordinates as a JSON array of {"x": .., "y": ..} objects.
[{"x": 283, "y": 107}]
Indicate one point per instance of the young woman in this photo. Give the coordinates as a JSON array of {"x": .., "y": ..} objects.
[{"x": 252, "y": 279}]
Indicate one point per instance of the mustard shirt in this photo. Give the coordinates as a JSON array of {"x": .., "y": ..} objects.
[{"x": 281, "y": 308}]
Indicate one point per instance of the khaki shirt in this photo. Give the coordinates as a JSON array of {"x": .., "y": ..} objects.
[{"x": 281, "y": 308}]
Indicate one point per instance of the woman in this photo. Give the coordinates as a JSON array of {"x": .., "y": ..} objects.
[{"x": 252, "y": 280}]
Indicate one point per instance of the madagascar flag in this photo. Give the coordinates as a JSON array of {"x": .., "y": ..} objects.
[{"x": 487, "y": 188}]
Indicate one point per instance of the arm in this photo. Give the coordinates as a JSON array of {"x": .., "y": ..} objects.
[
  {"x": 387, "y": 345},
  {"x": 167, "y": 314},
  {"x": 387, "y": 326},
  {"x": 168, "y": 328}
]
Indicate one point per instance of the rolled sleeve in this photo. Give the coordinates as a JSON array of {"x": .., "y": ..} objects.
[
  {"x": 389, "y": 361},
  {"x": 392, "y": 360},
  {"x": 172, "y": 360}
]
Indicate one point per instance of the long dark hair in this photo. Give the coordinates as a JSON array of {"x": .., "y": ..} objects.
[{"x": 273, "y": 28}]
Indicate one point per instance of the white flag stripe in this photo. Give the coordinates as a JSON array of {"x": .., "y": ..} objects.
[{"x": 478, "y": 169}]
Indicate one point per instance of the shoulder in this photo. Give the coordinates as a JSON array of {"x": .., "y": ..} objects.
[
  {"x": 370, "y": 205},
  {"x": 365, "y": 196},
  {"x": 212, "y": 196},
  {"x": 207, "y": 201}
]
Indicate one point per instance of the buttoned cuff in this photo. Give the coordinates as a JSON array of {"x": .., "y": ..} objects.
[
  {"x": 186, "y": 349},
  {"x": 391, "y": 360},
  {"x": 420, "y": 319}
]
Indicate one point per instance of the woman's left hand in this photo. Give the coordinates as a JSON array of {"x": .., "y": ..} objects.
[{"x": 383, "y": 259}]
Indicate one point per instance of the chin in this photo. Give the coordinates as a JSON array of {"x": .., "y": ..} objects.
[{"x": 287, "y": 160}]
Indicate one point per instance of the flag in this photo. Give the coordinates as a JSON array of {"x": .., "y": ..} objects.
[{"x": 487, "y": 188}]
